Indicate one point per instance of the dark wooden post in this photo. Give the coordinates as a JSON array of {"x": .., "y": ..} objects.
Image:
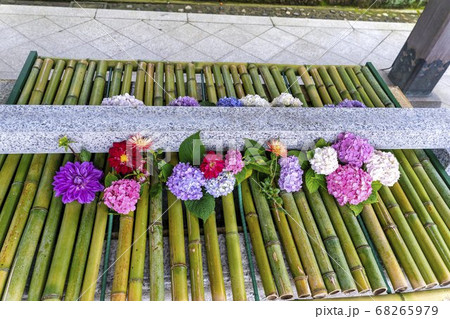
[{"x": 426, "y": 54}]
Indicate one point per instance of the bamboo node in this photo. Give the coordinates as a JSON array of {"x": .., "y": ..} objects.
[
  {"x": 407, "y": 214},
  {"x": 391, "y": 205},
  {"x": 429, "y": 225},
  {"x": 195, "y": 242},
  {"x": 389, "y": 226},
  {"x": 271, "y": 243},
  {"x": 136, "y": 280},
  {"x": 357, "y": 267},
  {"x": 178, "y": 265},
  {"x": 330, "y": 238}
]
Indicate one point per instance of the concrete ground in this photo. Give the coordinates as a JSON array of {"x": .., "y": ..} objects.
[{"x": 128, "y": 34}]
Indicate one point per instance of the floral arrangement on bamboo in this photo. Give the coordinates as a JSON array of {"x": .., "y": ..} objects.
[
  {"x": 286, "y": 99},
  {"x": 254, "y": 100},
  {"x": 122, "y": 100},
  {"x": 184, "y": 101}
]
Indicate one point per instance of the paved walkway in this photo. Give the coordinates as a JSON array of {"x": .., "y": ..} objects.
[{"x": 120, "y": 34}]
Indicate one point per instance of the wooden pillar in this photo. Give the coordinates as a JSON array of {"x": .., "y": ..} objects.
[{"x": 426, "y": 54}]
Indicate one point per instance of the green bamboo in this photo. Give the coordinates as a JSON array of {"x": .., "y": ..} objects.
[
  {"x": 328, "y": 274},
  {"x": 259, "y": 250},
  {"x": 179, "y": 75},
  {"x": 278, "y": 78},
  {"x": 271, "y": 241},
  {"x": 340, "y": 86},
  {"x": 191, "y": 81},
  {"x": 195, "y": 258},
  {"x": 233, "y": 249},
  {"x": 65, "y": 83},
  {"x": 149, "y": 85},
  {"x": 348, "y": 83},
  {"x": 367, "y": 87},
  {"x": 46, "y": 245},
  {"x": 169, "y": 81},
  {"x": 156, "y": 248},
  {"x": 32, "y": 232},
  {"x": 7, "y": 174},
  {"x": 433, "y": 174},
  {"x": 213, "y": 259},
  {"x": 29, "y": 84},
  {"x": 326, "y": 99},
  {"x": 237, "y": 84},
  {"x": 178, "y": 269},
  {"x": 256, "y": 80},
  {"x": 209, "y": 82},
  {"x": 54, "y": 82},
  {"x": 376, "y": 87},
  {"x": 126, "y": 82},
  {"x": 228, "y": 82},
  {"x": 19, "y": 220},
  {"x": 41, "y": 82},
  {"x": 2, "y": 160},
  {"x": 246, "y": 79},
  {"x": 269, "y": 82},
  {"x": 399, "y": 247},
  {"x": 136, "y": 279},
  {"x": 395, "y": 273},
  {"x": 158, "y": 98},
  {"x": 80, "y": 253},
  {"x": 87, "y": 84},
  {"x": 295, "y": 86},
  {"x": 420, "y": 245},
  {"x": 365, "y": 253},
  {"x": 99, "y": 84},
  {"x": 353, "y": 261},
  {"x": 363, "y": 97},
  {"x": 116, "y": 80},
  {"x": 332, "y": 90},
  {"x": 218, "y": 80},
  {"x": 77, "y": 81},
  {"x": 310, "y": 86},
  {"x": 140, "y": 81}
]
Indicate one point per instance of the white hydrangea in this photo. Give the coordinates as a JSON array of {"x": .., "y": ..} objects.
[
  {"x": 122, "y": 100},
  {"x": 383, "y": 167},
  {"x": 286, "y": 99},
  {"x": 222, "y": 185},
  {"x": 254, "y": 100},
  {"x": 325, "y": 160}
]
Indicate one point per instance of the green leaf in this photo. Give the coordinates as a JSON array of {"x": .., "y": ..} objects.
[
  {"x": 254, "y": 144},
  {"x": 376, "y": 185},
  {"x": 85, "y": 155},
  {"x": 65, "y": 142},
  {"x": 243, "y": 175},
  {"x": 356, "y": 209},
  {"x": 303, "y": 160},
  {"x": 109, "y": 179},
  {"x": 203, "y": 207},
  {"x": 155, "y": 189},
  {"x": 192, "y": 149},
  {"x": 265, "y": 169},
  {"x": 207, "y": 103},
  {"x": 165, "y": 172},
  {"x": 313, "y": 181},
  {"x": 321, "y": 143},
  {"x": 294, "y": 153},
  {"x": 309, "y": 154}
]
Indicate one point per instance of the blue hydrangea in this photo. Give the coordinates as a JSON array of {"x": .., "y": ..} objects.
[
  {"x": 184, "y": 101},
  {"x": 222, "y": 185},
  {"x": 229, "y": 101},
  {"x": 290, "y": 174},
  {"x": 347, "y": 103},
  {"x": 186, "y": 182}
]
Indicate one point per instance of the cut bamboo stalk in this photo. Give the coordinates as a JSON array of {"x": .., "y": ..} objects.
[
  {"x": 2, "y": 159},
  {"x": 169, "y": 82},
  {"x": 213, "y": 259},
  {"x": 420, "y": 245},
  {"x": 30, "y": 83},
  {"x": 246, "y": 79},
  {"x": 179, "y": 75},
  {"x": 32, "y": 232},
  {"x": 77, "y": 81},
  {"x": 367, "y": 87},
  {"x": 209, "y": 82},
  {"x": 328, "y": 274},
  {"x": 7, "y": 174},
  {"x": 381, "y": 243},
  {"x": 233, "y": 249},
  {"x": 41, "y": 82},
  {"x": 87, "y": 84},
  {"x": 295, "y": 86},
  {"x": 116, "y": 80},
  {"x": 329, "y": 84},
  {"x": 99, "y": 84},
  {"x": 349, "y": 84},
  {"x": 310, "y": 86},
  {"x": 362, "y": 93},
  {"x": 158, "y": 98},
  {"x": 237, "y": 84},
  {"x": 54, "y": 82},
  {"x": 269, "y": 82},
  {"x": 278, "y": 78},
  {"x": 195, "y": 258},
  {"x": 149, "y": 84},
  {"x": 340, "y": 86},
  {"x": 399, "y": 247},
  {"x": 191, "y": 81},
  {"x": 19, "y": 220},
  {"x": 178, "y": 269},
  {"x": 139, "y": 246},
  {"x": 256, "y": 80},
  {"x": 259, "y": 251},
  {"x": 356, "y": 268},
  {"x": 139, "y": 88},
  {"x": 228, "y": 82},
  {"x": 326, "y": 99},
  {"x": 376, "y": 87},
  {"x": 218, "y": 79},
  {"x": 126, "y": 82},
  {"x": 65, "y": 83},
  {"x": 364, "y": 251},
  {"x": 271, "y": 241},
  {"x": 46, "y": 245}
]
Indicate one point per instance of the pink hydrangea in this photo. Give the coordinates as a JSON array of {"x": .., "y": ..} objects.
[
  {"x": 349, "y": 184},
  {"x": 353, "y": 149},
  {"x": 122, "y": 195},
  {"x": 233, "y": 161}
]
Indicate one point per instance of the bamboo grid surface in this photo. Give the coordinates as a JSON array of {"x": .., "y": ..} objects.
[{"x": 310, "y": 248}]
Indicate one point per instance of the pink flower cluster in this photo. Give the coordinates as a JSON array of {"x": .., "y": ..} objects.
[
  {"x": 122, "y": 195},
  {"x": 353, "y": 149},
  {"x": 233, "y": 161},
  {"x": 349, "y": 184}
]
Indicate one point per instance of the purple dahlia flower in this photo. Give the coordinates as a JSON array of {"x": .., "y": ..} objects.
[
  {"x": 77, "y": 181},
  {"x": 353, "y": 149},
  {"x": 186, "y": 182},
  {"x": 184, "y": 101},
  {"x": 290, "y": 174},
  {"x": 229, "y": 101}
]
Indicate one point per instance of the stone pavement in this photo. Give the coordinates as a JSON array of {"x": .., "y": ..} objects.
[{"x": 127, "y": 34}]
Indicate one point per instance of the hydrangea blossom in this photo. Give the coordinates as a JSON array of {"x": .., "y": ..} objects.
[
  {"x": 229, "y": 101},
  {"x": 347, "y": 103},
  {"x": 349, "y": 184},
  {"x": 233, "y": 161},
  {"x": 352, "y": 149},
  {"x": 184, "y": 101},
  {"x": 286, "y": 99},
  {"x": 254, "y": 100},
  {"x": 186, "y": 182},
  {"x": 383, "y": 167},
  {"x": 122, "y": 100},
  {"x": 290, "y": 174},
  {"x": 222, "y": 185},
  {"x": 122, "y": 195},
  {"x": 325, "y": 160}
]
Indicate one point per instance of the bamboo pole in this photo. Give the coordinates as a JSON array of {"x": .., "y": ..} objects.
[
  {"x": 7, "y": 173},
  {"x": 228, "y": 82},
  {"x": 87, "y": 84},
  {"x": 362, "y": 93},
  {"x": 209, "y": 82},
  {"x": 54, "y": 82},
  {"x": 218, "y": 80},
  {"x": 179, "y": 75},
  {"x": 329, "y": 84},
  {"x": 310, "y": 86},
  {"x": 116, "y": 80},
  {"x": 41, "y": 82},
  {"x": 376, "y": 87},
  {"x": 191, "y": 81},
  {"x": 136, "y": 279},
  {"x": 365, "y": 253},
  {"x": 2, "y": 159},
  {"x": 237, "y": 84},
  {"x": 77, "y": 81},
  {"x": 354, "y": 264},
  {"x": 233, "y": 249},
  {"x": 29, "y": 84},
  {"x": 272, "y": 244},
  {"x": 149, "y": 84},
  {"x": 65, "y": 83},
  {"x": 246, "y": 79},
  {"x": 420, "y": 245},
  {"x": 32, "y": 232},
  {"x": 158, "y": 98},
  {"x": 381, "y": 243},
  {"x": 367, "y": 87},
  {"x": 269, "y": 82},
  {"x": 256, "y": 80},
  {"x": 295, "y": 86},
  {"x": 169, "y": 81},
  {"x": 126, "y": 82},
  {"x": 139, "y": 88},
  {"x": 46, "y": 245},
  {"x": 259, "y": 251},
  {"x": 278, "y": 78},
  {"x": 195, "y": 258},
  {"x": 340, "y": 86},
  {"x": 99, "y": 84},
  {"x": 326, "y": 99},
  {"x": 349, "y": 84},
  {"x": 19, "y": 220},
  {"x": 430, "y": 295}
]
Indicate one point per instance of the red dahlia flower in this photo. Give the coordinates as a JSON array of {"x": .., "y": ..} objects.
[
  {"x": 212, "y": 165},
  {"x": 125, "y": 161}
]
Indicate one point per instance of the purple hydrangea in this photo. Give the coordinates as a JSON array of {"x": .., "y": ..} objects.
[
  {"x": 229, "y": 101},
  {"x": 222, "y": 185},
  {"x": 184, "y": 101},
  {"x": 77, "y": 182},
  {"x": 186, "y": 182},
  {"x": 353, "y": 149},
  {"x": 290, "y": 174},
  {"x": 347, "y": 103},
  {"x": 349, "y": 184}
]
